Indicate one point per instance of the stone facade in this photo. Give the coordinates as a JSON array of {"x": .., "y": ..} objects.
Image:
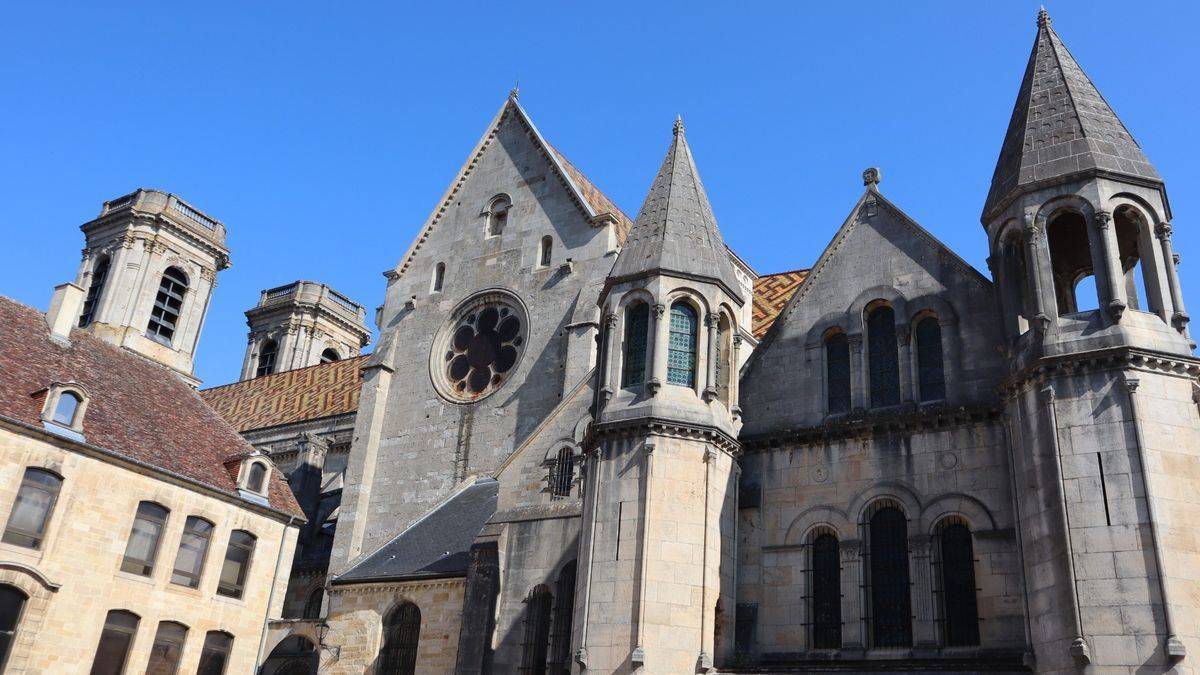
[{"x": 302, "y": 324}]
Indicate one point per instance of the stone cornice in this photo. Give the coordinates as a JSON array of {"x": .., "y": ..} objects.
[
  {"x": 188, "y": 233},
  {"x": 902, "y": 420},
  {"x": 380, "y": 587},
  {"x": 663, "y": 427},
  {"x": 1114, "y": 358}
]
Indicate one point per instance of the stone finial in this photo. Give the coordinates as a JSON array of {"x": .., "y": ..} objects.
[
  {"x": 1043, "y": 18},
  {"x": 515, "y": 91},
  {"x": 678, "y": 128},
  {"x": 871, "y": 177}
]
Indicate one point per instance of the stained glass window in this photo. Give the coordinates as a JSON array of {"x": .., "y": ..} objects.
[
  {"x": 681, "y": 346},
  {"x": 637, "y": 322},
  {"x": 931, "y": 377},
  {"x": 837, "y": 372},
  {"x": 882, "y": 357}
]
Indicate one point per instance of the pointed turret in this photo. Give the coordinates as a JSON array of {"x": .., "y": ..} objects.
[
  {"x": 675, "y": 233},
  {"x": 1062, "y": 127}
]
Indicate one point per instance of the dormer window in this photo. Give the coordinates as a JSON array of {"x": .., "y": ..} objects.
[
  {"x": 67, "y": 408},
  {"x": 64, "y": 408},
  {"x": 497, "y": 215},
  {"x": 256, "y": 478},
  {"x": 253, "y": 481}
]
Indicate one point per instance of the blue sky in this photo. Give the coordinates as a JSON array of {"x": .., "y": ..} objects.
[{"x": 322, "y": 134}]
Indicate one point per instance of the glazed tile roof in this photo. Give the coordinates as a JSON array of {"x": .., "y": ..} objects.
[
  {"x": 599, "y": 201},
  {"x": 137, "y": 409},
  {"x": 771, "y": 294},
  {"x": 290, "y": 396}
]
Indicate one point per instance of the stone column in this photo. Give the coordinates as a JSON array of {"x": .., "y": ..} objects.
[
  {"x": 734, "y": 381},
  {"x": 858, "y": 373},
  {"x": 906, "y": 356},
  {"x": 658, "y": 364},
  {"x": 1179, "y": 317},
  {"x": 610, "y": 357},
  {"x": 1115, "y": 302},
  {"x": 710, "y": 388},
  {"x": 854, "y": 634},
  {"x": 1034, "y": 243},
  {"x": 924, "y": 617}
]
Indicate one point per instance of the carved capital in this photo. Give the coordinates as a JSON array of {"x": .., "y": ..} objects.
[
  {"x": 659, "y": 310},
  {"x": 709, "y": 394},
  {"x": 610, "y": 320},
  {"x": 1047, "y": 393},
  {"x": 208, "y": 274},
  {"x": 709, "y": 454},
  {"x": 1032, "y": 233},
  {"x": 737, "y": 340},
  {"x": 127, "y": 240},
  {"x": 1131, "y": 384},
  {"x": 648, "y": 448},
  {"x": 1163, "y": 230},
  {"x": 855, "y": 341},
  {"x": 1180, "y": 320},
  {"x": 712, "y": 320},
  {"x": 850, "y": 550},
  {"x": 1116, "y": 309},
  {"x": 1102, "y": 219}
]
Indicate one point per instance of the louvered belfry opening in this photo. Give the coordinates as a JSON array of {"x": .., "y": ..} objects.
[
  {"x": 401, "y": 635},
  {"x": 889, "y": 608},
  {"x": 954, "y": 560},
  {"x": 825, "y": 590},
  {"x": 564, "y": 610},
  {"x": 535, "y": 643},
  {"x": 562, "y": 474}
]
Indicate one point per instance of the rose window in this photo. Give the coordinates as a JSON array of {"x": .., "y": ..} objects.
[{"x": 482, "y": 349}]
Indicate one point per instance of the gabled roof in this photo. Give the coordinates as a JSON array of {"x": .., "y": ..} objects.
[
  {"x": 137, "y": 409},
  {"x": 437, "y": 545},
  {"x": 676, "y": 233},
  {"x": 1061, "y": 126},
  {"x": 771, "y": 294},
  {"x": 595, "y": 205},
  {"x": 322, "y": 390}
]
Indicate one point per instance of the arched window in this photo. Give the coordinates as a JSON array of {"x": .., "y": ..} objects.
[
  {"x": 237, "y": 564},
  {"x": 164, "y": 318},
  {"x": 167, "y": 648},
  {"x": 95, "y": 288},
  {"x": 497, "y": 218},
  {"x": 825, "y": 590},
  {"x": 562, "y": 473},
  {"x": 837, "y": 372},
  {"x": 931, "y": 375},
  {"x": 536, "y": 642},
  {"x": 214, "y": 657},
  {"x": 1071, "y": 264},
  {"x": 330, "y": 355},
  {"x": 882, "y": 359},
  {"x": 1138, "y": 268},
  {"x": 637, "y": 323},
  {"x": 956, "y": 556},
  {"x": 890, "y": 605},
  {"x": 32, "y": 509},
  {"x": 12, "y": 605},
  {"x": 312, "y": 608},
  {"x": 439, "y": 277},
  {"x": 193, "y": 547},
  {"x": 266, "y": 358},
  {"x": 142, "y": 548},
  {"x": 564, "y": 610},
  {"x": 681, "y": 347},
  {"x": 65, "y": 409},
  {"x": 256, "y": 477},
  {"x": 545, "y": 251},
  {"x": 401, "y": 635},
  {"x": 112, "y": 652}
]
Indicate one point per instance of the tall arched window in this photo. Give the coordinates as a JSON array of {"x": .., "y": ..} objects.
[
  {"x": 890, "y": 605},
  {"x": 95, "y": 289},
  {"x": 562, "y": 473},
  {"x": 168, "y": 303},
  {"x": 401, "y": 635},
  {"x": 545, "y": 251},
  {"x": 837, "y": 372},
  {"x": 637, "y": 323},
  {"x": 931, "y": 374},
  {"x": 681, "y": 346},
  {"x": 1071, "y": 264},
  {"x": 193, "y": 547},
  {"x": 497, "y": 218},
  {"x": 882, "y": 359},
  {"x": 825, "y": 590},
  {"x": 167, "y": 648},
  {"x": 956, "y": 556},
  {"x": 536, "y": 641},
  {"x": 215, "y": 654},
  {"x": 32, "y": 509},
  {"x": 330, "y": 355},
  {"x": 1134, "y": 243},
  {"x": 142, "y": 548},
  {"x": 237, "y": 564},
  {"x": 564, "y": 610},
  {"x": 266, "y": 358},
  {"x": 12, "y": 605},
  {"x": 439, "y": 277},
  {"x": 116, "y": 638}
]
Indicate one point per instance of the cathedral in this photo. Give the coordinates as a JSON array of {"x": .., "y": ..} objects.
[{"x": 585, "y": 443}]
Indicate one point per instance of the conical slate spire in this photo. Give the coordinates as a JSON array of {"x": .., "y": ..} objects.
[
  {"x": 1061, "y": 125},
  {"x": 675, "y": 232}
]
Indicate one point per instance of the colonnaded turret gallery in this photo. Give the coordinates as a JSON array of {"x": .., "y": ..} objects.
[{"x": 585, "y": 443}]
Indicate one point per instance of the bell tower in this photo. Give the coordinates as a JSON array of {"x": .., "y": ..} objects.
[
  {"x": 149, "y": 269},
  {"x": 1099, "y": 396},
  {"x": 657, "y": 556}
]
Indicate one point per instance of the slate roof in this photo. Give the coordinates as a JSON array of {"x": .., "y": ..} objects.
[
  {"x": 291, "y": 396},
  {"x": 137, "y": 409},
  {"x": 1061, "y": 125},
  {"x": 436, "y": 545},
  {"x": 676, "y": 232},
  {"x": 771, "y": 294}
]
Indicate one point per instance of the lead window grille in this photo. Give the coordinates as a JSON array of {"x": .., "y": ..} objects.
[
  {"x": 266, "y": 358},
  {"x": 931, "y": 376},
  {"x": 168, "y": 303},
  {"x": 882, "y": 359},
  {"x": 99, "y": 277},
  {"x": 681, "y": 346},
  {"x": 955, "y": 556},
  {"x": 536, "y": 641},
  {"x": 837, "y": 372},
  {"x": 401, "y": 635},
  {"x": 637, "y": 324},
  {"x": 890, "y": 607},
  {"x": 564, "y": 609},
  {"x": 562, "y": 473},
  {"x": 825, "y": 591}
]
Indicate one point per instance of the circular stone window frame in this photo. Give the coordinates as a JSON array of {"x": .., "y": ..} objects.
[{"x": 438, "y": 361}]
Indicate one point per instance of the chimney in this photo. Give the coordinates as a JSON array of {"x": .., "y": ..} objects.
[{"x": 64, "y": 310}]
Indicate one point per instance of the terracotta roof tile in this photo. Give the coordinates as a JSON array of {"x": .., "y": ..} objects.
[
  {"x": 291, "y": 396},
  {"x": 137, "y": 409},
  {"x": 771, "y": 294},
  {"x": 599, "y": 201}
]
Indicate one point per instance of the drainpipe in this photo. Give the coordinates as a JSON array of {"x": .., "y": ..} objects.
[{"x": 262, "y": 639}]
